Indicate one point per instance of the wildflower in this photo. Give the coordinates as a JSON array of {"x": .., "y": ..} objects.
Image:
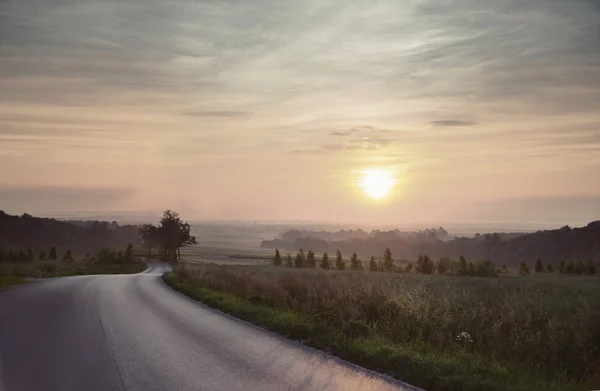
[{"x": 464, "y": 337}]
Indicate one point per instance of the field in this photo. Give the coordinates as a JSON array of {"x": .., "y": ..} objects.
[{"x": 437, "y": 332}]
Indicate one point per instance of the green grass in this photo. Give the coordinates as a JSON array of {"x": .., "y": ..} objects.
[
  {"x": 527, "y": 333},
  {"x": 8, "y": 281}
]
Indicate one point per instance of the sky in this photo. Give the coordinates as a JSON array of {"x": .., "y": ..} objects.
[{"x": 476, "y": 110}]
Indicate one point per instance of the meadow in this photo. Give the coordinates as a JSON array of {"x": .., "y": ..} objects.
[{"x": 434, "y": 331}]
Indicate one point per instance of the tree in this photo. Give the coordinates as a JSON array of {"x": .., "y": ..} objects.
[
  {"x": 53, "y": 255},
  {"x": 443, "y": 265},
  {"x": 485, "y": 268},
  {"x": 68, "y": 256},
  {"x": 128, "y": 256},
  {"x": 463, "y": 266},
  {"x": 339, "y": 261},
  {"x": 288, "y": 260},
  {"x": 2, "y": 255},
  {"x": 355, "y": 263},
  {"x": 523, "y": 268},
  {"x": 550, "y": 268},
  {"x": 579, "y": 268},
  {"x": 30, "y": 255},
  {"x": 409, "y": 267},
  {"x": 150, "y": 237},
  {"x": 562, "y": 267},
  {"x": 174, "y": 234},
  {"x": 590, "y": 267},
  {"x": 325, "y": 262},
  {"x": 570, "y": 269},
  {"x": 425, "y": 265},
  {"x": 311, "y": 262},
  {"x": 300, "y": 259},
  {"x": 277, "y": 258},
  {"x": 373, "y": 264},
  {"x": 42, "y": 256},
  {"x": 388, "y": 261},
  {"x": 472, "y": 270},
  {"x": 539, "y": 266}
]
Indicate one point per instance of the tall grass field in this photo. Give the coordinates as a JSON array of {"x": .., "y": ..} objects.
[{"x": 437, "y": 332}]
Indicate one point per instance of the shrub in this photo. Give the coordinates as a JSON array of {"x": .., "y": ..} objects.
[
  {"x": 325, "y": 262},
  {"x": 373, "y": 265},
  {"x": 425, "y": 265},
  {"x": 355, "y": 263},
  {"x": 53, "y": 255},
  {"x": 68, "y": 257},
  {"x": 339, "y": 261},
  {"x": 277, "y": 258},
  {"x": 523, "y": 268},
  {"x": 300, "y": 259},
  {"x": 485, "y": 268},
  {"x": 388, "y": 261},
  {"x": 462, "y": 267},
  {"x": 311, "y": 262},
  {"x": 539, "y": 266},
  {"x": 443, "y": 265},
  {"x": 591, "y": 267}
]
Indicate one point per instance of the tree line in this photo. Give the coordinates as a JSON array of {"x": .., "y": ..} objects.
[
  {"x": 426, "y": 265},
  {"x": 81, "y": 237},
  {"x": 106, "y": 255},
  {"x": 167, "y": 238},
  {"x": 578, "y": 244}
]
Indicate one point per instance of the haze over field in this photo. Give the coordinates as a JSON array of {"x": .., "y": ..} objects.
[{"x": 364, "y": 112}]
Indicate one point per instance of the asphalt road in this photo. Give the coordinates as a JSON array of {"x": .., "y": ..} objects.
[{"x": 132, "y": 332}]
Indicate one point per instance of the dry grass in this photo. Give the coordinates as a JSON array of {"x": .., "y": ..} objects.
[{"x": 546, "y": 324}]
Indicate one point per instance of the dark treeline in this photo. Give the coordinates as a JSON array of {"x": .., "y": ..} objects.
[
  {"x": 37, "y": 234},
  {"x": 424, "y": 264},
  {"x": 564, "y": 244}
]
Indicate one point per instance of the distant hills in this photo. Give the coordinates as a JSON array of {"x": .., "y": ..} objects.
[
  {"x": 566, "y": 243},
  {"x": 81, "y": 236}
]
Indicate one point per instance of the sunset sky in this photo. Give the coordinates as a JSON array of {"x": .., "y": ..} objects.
[{"x": 472, "y": 110}]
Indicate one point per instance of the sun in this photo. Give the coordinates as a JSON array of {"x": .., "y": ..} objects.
[{"x": 377, "y": 183}]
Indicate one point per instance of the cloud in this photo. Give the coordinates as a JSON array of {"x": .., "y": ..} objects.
[
  {"x": 216, "y": 113},
  {"x": 453, "y": 123},
  {"x": 347, "y": 132}
]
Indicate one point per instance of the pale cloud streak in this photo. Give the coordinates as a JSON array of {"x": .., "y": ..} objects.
[{"x": 122, "y": 93}]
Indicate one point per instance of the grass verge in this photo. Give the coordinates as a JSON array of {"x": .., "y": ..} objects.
[
  {"x": 414, "y": 362},
  {"x": 9, "y": 281}
]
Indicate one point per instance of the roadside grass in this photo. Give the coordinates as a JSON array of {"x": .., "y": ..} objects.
[
  {"x": 48, "y": 269},
  {"x": 435, "y": 332},
  {"x": 6, "y": 281}
]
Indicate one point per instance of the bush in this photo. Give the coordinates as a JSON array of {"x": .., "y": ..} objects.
[
  {"x": 339, "y": 261},
  {"x": 485, "y": 268},
  {"x": 325, "y": 262},
  {"x": 523, "y": 268},
  {"x": 373, "y": 265},
  {"x": 425, "y": 265},
  {"x": 443, "y": 266},
  {"x": 388, "y": 261}
]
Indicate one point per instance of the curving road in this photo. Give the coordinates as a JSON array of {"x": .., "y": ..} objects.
[{"x": 132, "y": 332}]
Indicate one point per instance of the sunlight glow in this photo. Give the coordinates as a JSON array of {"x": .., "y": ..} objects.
[{"x": 377, "y": 183}]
